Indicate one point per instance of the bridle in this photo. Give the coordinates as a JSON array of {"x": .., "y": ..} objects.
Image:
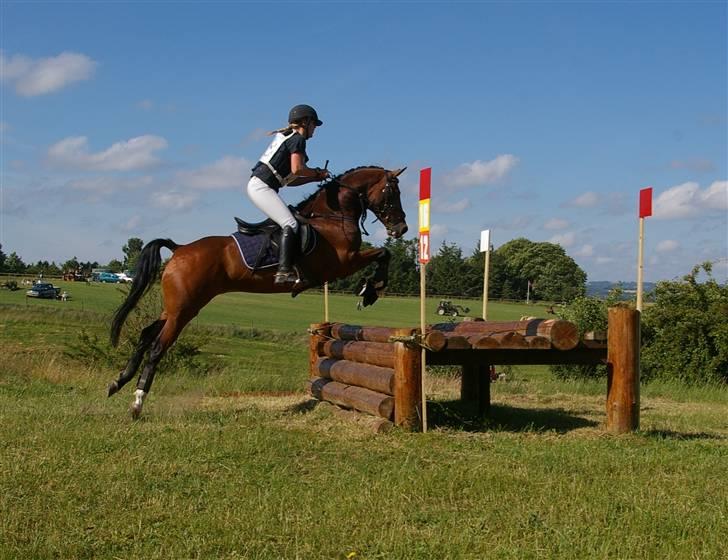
[{"x": 388, "y": 204}]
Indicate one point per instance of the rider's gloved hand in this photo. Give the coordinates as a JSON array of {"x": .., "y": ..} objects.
[{"x": 322, "y": 173}]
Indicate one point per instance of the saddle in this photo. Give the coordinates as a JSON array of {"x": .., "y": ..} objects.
[{"x": 259, "y": 242}]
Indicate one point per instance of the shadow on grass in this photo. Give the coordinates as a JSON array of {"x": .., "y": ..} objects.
[
  {"x": 682, "y": 436},
  {"x": 463, "y": 416}
]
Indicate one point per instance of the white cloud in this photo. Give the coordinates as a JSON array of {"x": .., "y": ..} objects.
[
  {"x": 556, "y": 224},
  {"x": 564, "y": 239},
  {"x": 605, "y": 260},
  {"x": 129, "y": 155},
  {"x": 146, "y": 104},
  {"x": 587, "y": 200},
  {"x": 226, "y": 173},
  {"x": 689, "y": 200},
  {"x": 667, "y": 246},
  {"x": 454, "y": 207},
  {"x": 481, "y": 172},
  {"x": 174, "y": 200},
  {"x": 31, "y": 77},
  {"x": 585, "y": 251}
]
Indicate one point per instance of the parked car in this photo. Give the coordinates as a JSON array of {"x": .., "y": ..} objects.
[
  {"x": 124, "y": 277},
  {"x": 109, "y": 277},
  {"x": 43, "y": 290}
]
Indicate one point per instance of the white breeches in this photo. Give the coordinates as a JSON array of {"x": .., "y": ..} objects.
[{"x": 268, "y": 201}]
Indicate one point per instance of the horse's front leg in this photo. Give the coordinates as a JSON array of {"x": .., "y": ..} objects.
[{"x": 375, "y": 285}]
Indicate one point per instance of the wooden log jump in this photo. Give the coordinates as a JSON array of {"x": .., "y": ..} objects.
[{"x": 377, "y": 370}]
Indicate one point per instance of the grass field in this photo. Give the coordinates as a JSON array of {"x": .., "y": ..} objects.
[{"x": 237, "y": 464}]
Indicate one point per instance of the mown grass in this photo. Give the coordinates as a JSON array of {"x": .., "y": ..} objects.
[{"x": 237, "y": 464}]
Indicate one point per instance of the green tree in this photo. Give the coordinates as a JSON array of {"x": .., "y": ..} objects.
[
  {"x": 132, "y": 250},
  {"x": 404, "y": 277},
  {"x": 685, "y": 331},
  {"x": 115, "y": 265},
  {"x": 554, "y": 275},
  {"x": 71, "y": 265},
  {"x": 475, "y": 265},
  {"x": 2, "y": 259},
  {"x": 14, "y": 264},
  {"x": 447, "y": 272}
]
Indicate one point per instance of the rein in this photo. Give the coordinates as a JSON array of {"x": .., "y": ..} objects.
[{"x": 362, "y": 201}]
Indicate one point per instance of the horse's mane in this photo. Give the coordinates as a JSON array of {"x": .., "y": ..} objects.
[{"x": 331, "y": 183}]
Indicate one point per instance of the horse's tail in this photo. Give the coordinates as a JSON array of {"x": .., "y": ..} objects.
[{"x": 147, "y": 268}]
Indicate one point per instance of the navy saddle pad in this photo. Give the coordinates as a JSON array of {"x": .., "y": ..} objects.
[{"x": 250, "y": 247}]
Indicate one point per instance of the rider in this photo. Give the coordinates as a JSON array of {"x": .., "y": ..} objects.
[{"x": 284, "y": 164}]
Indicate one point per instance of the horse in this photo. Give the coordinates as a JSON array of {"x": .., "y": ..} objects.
[{"x": 207, "y": 267}]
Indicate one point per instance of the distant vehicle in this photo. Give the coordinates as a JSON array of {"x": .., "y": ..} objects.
[
  {"x": 446, "y": 307},
  {"x": 124, "y": 277},
  {"x": 43, "y": 290},
  {"x": 109, "y": 277}
]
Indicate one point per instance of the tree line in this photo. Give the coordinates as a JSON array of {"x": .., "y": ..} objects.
[
  {"x": 521, "y": 266},
  {"x": 518, "y": 267},
  {"x": 14, "y": 264}
]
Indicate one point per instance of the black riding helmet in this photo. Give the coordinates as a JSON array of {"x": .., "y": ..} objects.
[{"x": 300, "y": 112}]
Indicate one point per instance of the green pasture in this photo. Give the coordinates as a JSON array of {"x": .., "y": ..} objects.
[
  {"x": 236, "y": 463},
  {"x": 277, "y": 312}
]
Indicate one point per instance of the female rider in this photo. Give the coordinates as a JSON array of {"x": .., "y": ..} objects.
[{"x": 284, "y": 164}]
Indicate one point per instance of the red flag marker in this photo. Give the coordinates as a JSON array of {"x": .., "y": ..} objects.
[
  {"x": 425, "y": 179},
  {"x": 645, "y": 202}
]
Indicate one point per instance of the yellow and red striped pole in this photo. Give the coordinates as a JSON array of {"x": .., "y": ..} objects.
[{"x": 424, "y": 258}]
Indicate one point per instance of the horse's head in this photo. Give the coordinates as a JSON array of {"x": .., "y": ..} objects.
[{"x": 378, "y": 190}]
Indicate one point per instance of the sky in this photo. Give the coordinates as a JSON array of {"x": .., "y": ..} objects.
[{"x": 539, "y": 119}]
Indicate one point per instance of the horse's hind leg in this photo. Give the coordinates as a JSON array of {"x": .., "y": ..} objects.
[
  {"x": 146, "y": 338},
  {"x": 168, "y": 335}
]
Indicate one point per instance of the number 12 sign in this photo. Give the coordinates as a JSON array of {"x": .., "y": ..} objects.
[{"x": 425, "y": 179}]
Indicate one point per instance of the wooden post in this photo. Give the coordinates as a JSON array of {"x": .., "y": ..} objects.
[
  {"x": 486, "y": 273},
  {"x": 423, "y": 352},
  {"x": 623, "y": 370},
  {"x": 640, "y": 264},
  {"x": 326, "y": 302},
  {"x": 475, "y": 386},
  {"x": 407, "y": 383},
  {"x": 320, "y": 333}
]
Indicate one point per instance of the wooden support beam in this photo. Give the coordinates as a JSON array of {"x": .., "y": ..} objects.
[
  {"x": 623, "y": 370},
  {"x": 475, "y": 386},
  {"x": 319, "y": 334},
  {"x": 407, "y": 382}
]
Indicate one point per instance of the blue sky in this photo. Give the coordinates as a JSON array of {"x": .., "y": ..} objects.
[{"x": 540, "y": 120}]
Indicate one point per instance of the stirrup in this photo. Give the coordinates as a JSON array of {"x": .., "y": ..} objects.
[{"x": 289, "y": 277}]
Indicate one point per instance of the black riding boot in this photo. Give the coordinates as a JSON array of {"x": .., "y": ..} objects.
[{"x": 286, "y": 256}]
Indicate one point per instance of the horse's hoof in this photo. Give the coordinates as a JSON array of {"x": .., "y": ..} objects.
[
  {"x": 113, "y": 388},
  {"x": 136, "y": 411}
]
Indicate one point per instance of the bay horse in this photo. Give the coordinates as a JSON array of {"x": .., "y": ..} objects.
[{"x": 203, "y": 269}]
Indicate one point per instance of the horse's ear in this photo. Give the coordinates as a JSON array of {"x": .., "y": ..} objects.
[{"x": 398, "y": 172}]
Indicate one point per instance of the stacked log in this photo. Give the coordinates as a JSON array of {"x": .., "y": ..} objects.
[
  {"x": 368, "y": 369},
  {"x": 531, "y": 333}
]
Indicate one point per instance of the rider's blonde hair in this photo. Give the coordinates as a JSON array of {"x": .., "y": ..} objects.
[{"x": 288, "y": 129}]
